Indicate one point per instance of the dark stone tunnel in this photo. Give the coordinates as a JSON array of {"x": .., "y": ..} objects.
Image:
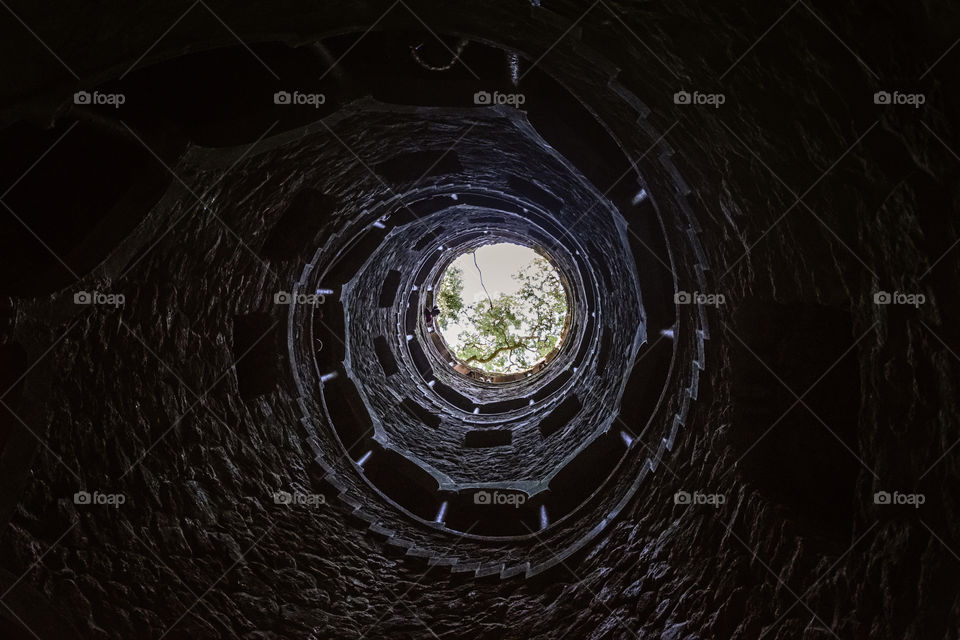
[{"x": 223, "y": 414}]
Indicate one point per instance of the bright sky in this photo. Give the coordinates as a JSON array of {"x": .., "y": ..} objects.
[{"x": 498, "y": 262}]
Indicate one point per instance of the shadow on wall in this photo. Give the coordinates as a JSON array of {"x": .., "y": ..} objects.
[
  {"x": 808, "y": 461},
  {"x": 79, "y": 205}
]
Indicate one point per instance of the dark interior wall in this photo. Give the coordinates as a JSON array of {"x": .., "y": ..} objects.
[{"x": 810, "y": 199}]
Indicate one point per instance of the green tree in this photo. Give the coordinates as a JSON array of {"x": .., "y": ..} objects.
[
  {"x": 511, "y": 332},
  {"x": 450, "y": 296}
]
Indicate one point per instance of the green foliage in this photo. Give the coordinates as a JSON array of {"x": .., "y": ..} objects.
[
  {"x": 511, "y": 332},
  {"x": 450, "y": 296}
]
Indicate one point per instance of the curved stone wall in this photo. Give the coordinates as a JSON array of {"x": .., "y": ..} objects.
[{"x": 720, "y": 451}]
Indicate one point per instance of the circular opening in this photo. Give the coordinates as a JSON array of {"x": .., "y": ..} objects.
[{"x": 501, "y": 309}]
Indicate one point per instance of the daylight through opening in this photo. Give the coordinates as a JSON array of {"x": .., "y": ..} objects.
[{"x": 501, "y": 309}]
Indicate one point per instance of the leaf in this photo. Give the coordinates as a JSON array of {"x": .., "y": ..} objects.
[{"x": 508, "y": 333}]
